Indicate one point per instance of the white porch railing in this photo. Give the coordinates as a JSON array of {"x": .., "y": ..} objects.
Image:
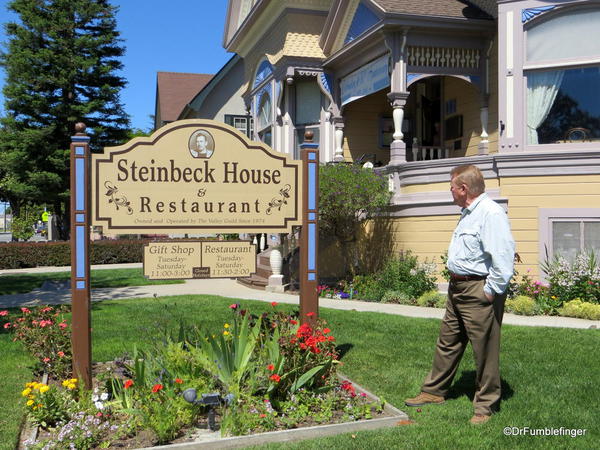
[{"x": 422, "y": 153}]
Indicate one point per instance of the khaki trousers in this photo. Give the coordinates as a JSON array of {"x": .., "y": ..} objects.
[{"x": 469, "y": 317}]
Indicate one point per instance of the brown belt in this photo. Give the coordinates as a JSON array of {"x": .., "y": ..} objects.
[{"x": 457, "y": 277}]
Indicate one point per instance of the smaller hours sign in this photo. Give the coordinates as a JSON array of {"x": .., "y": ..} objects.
[{"x": 208, "y": 259}]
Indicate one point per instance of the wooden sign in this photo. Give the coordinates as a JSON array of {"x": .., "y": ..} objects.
[
  {"x": 195, "y": 176},
  {"x": 175, "y": 260}
]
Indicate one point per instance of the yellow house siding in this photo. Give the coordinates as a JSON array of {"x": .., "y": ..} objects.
[
  {"x": 468, "y": 103},
  {"x": 526, "y": 195},
  {"x": 361, "y": 126}
]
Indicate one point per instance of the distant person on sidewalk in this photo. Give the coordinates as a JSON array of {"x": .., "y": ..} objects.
[{"x": 480, "y": 261}]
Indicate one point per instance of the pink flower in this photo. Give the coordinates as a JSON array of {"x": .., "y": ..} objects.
[
  {"x": 63, "y": 325},
  {"x": 3, "y": 313},
  {"x": 61, "y": 354},
  {"x": 46, "y": 360},
  {"x": 7, "y": 325},
  {"x": 25, "y": 310},
  {"x": 234, "y": 306},
  {"x": 47, "y": 309}
]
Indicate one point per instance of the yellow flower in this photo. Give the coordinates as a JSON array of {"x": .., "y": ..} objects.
[
  {"x": 226, "y": 325},
  {"x": 553, "y": 297},
  {"x": 29, "y": 402},
  {"x": 71, "y": 386},
  {"x": 225, "y": 333},
  {"x": 64, "y": 383},
  {"x": 26, "y": 392},
  {"x": 30, "y": 384},
  {"x": 44, "y": 388},
  {"x": 73, "y": 380}
]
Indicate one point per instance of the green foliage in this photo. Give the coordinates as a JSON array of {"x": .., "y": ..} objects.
[
  {"x": 521, "y": 304},
  {"x": 349, "y": 195},
  {"x": 397, "y": 297},
  {"x": 33, "y": 254},
  {"x": 50, "y": 404},
  {"x": 402, "y": 274},
  {"x": 433, "y": 299},
  {"x": 22, "y": 229},
  {"x": 581, "y": 309},
  {"x": 61, "y": 64}
]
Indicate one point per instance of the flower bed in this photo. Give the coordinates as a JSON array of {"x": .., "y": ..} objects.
[{"x": 265, "y": 373}]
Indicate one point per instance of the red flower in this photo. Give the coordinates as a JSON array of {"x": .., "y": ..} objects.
[
  {"x": 326, "y": 330},
  {"x": 293, "y": 322},
  {"x": 178, "y": 381},
  {"x": 234, "y": 306},
  {"x": 274, "y": 304},
  {"x": 270, "y": 367},
  {"x": 311, "y": 314},
  {"x": 262, "y": 416},
  {"x": 276, "y": 378},
  {"x": 157, "y": 387},
  {"x": 128, "y": 384}
]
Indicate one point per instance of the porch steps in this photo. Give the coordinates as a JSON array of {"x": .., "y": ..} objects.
[{"x": 260, "y": 279}]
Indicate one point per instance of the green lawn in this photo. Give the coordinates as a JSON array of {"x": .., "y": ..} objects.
[
  {"x": 550, "y": 375},
  {"x": 101, "y": 278}
]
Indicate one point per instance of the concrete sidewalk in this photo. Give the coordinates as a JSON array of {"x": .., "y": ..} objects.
[{"x": 230, "y": 288}]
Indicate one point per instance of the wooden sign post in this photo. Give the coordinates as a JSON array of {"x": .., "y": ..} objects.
[
  {"x": 80, "y": 256},
  {"x": 191, "y": 176},
  {"x": 309, "y": 234}
]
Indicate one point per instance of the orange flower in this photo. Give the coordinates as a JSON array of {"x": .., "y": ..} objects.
[
  {"x": 61, "y": 354},
  {"x": 157, "y": 387},
  {"x": 270, "y": 367},
  {"x": 276, "y": 378},
  {"x": 128, "y": 384},
  {"x": 178, "y": 381}
]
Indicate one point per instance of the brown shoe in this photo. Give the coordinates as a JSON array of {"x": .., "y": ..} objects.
[
  {"x": 479, "y": 419},
  {"x": 423, "y": 399}
]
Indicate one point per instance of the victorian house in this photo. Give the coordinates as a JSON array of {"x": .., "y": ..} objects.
[{"x": 417, "y": 87}]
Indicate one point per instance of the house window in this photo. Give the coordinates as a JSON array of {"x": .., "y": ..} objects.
[
  {"x": 563, "y": 77},
  {"x": 569, "y": 231},
  {"x": 243, "y": 124},
  {"x": 265, "y": 132},
  {"x": 572, "y": 237}
]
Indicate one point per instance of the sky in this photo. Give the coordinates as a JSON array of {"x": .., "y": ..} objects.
[{"x": 159, "y": 36}]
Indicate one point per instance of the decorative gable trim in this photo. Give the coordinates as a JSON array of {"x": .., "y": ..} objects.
[{"x": 530, "y": 13}]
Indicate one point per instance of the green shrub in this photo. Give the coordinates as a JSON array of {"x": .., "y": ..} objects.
[
  {"x": 403, "y": 274},
  {"x": 432, "y": 299},
  {"x": 18, "y": 255},
  {"x": 522, "y": 305},
  {"x": 397, "y": 297},
  {"x": 580, "y": 309},
  {"x": 579, "y": 278}
]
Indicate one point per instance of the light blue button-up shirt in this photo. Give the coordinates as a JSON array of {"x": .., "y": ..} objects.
[{"x": 482, "y": 244}]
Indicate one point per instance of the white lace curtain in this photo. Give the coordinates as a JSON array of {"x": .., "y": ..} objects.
[{"x": 542, "y": 88}]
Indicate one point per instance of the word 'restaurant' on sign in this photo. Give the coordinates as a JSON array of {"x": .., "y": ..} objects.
[
  {"x": 208, "y": 259},
  {"x": 195, "y": 175}
]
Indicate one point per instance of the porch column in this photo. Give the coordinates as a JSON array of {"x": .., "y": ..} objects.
[
  {"x": 484, "y": 143},
  {"x": 338, "y": 123},
  {"x": 398, "y": 146},
  {"x": 396, "y": 44}
]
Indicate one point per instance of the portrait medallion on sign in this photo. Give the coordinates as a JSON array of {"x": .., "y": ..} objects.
[{"x": 201, "y": 144}]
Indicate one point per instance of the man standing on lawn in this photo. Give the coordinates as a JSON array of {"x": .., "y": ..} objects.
[{"x": 480, "y": 261}]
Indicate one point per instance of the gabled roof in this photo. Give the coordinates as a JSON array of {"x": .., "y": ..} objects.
[
  {"x": 443, "y": 8},
  {"x": 175, "y": 90}
]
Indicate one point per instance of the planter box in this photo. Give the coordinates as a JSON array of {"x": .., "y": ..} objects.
[{"x": 206, "y": 439}]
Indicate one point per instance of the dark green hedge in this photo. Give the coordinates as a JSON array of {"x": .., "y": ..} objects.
[{"x": 17, "y": 255}]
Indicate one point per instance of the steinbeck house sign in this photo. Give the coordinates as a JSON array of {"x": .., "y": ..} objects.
[{"x": 195, "y": 176}]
